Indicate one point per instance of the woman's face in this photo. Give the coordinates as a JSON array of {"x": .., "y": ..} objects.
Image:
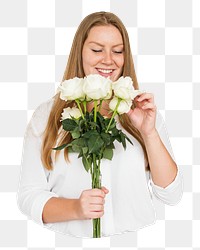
[{"x": 103, "y": 52}]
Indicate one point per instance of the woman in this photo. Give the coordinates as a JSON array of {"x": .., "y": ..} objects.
[{"x": 55, "y": 190}]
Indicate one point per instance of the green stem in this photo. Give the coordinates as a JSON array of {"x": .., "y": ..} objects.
[
  {"x": 96, "y": 183},
  {"x": 94, "y": 172},
  {"x": 85, "y": 106},
  {"x": 99, "y": 173},
  {"x": 95, "y": 110},
  {"x": 79, "y": 106},
  {"x": 98, "y": 228},
  {"x": 94, "y": 229},
  {"x": 100, "y": 105},
  {"x": 113, "y": 115}
]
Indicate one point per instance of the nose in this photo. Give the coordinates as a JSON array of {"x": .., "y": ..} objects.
[{"x": 107, "y": 59}]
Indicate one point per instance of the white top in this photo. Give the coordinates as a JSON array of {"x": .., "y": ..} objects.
[{"x": 128, "y": 205}]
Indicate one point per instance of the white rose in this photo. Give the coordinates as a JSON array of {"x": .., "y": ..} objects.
[
  {"x": 124, "y": 105},
  {"x": 123, "y": 88},
  {"x": 70, "y": 112},
  {"x": 72, "y": 89},
  {"x": 97, "y": 87}
]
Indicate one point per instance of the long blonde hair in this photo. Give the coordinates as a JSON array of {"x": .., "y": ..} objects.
[{"x": 74, "y": 68}]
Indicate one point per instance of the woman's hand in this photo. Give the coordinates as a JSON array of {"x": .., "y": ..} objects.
[
  {"x": 91, "y": 203},
  {"x": 143, "y": 116}
]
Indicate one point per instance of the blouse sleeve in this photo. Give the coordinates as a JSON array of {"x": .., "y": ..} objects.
[
  {"x": 33, "y": 190},
  {"x": 171, "y": 194}
]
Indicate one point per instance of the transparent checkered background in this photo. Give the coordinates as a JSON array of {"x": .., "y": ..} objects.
[{"x": 35, "y": 39}]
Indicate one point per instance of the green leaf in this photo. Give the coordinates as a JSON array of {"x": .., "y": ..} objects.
[
  {"x": 106, "y": 138},
  {"x": 86, "y": 163},
  {"x": 79, "y": 141},
  {"x": 76, "y": 148},
  {"x": 78, "y": 144},
  {"x": 113, "y": 124},
  {"x": 69, "y": 124},
  {"x": 100, "y": 117},
  {"x": 94, "y": 144},
  {"x": 60, "y": 147},
  {"x": 111, "y": 145},
  {"x": 80, "y": 154},
  {"x": 101, "y": 120},
  {"x": 108, "y": 153},
  {"x": 70, "y": 150},
  {"x": 107, "y": 120},
  {"x": 81, "y": 125},
  {"x": 115, "y": 131},
  {"x": 123, "y": 140},
  {"x": 85, "y": 150},
  {"x": 93, "y": 125},
  {"x": 118, "y": 138},
  {"x": 75, "y": 134},
  {"x": 128, "y": 139},
  {"x": 90, "y": 133}
]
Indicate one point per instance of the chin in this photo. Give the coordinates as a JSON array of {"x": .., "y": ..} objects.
[{"x": 114, "y": 78}]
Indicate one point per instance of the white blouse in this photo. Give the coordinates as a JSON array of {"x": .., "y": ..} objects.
[{"x": 128, "y": 205}]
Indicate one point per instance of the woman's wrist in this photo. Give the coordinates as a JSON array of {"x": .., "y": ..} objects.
[
  {"x": 150, "y": 135},
  {"x": 75, "y": 211}
]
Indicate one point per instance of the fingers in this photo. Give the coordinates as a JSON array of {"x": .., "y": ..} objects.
[
  {"x": 149, "y": 106},
  {"x": 97, "y": 200},
  {"x": 95, "y": 215},
  {"x": 97, "y": 208},
  {"x": 92, "y": 203},
  {"x": 105, "y": 190},
  {"x": 145, "y": 101},
  {"x": 145, "y": 96},
  {"x": 98, "y": 192}
]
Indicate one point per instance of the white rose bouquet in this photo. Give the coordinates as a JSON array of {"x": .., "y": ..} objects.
[{"x": 92, "y": 134}]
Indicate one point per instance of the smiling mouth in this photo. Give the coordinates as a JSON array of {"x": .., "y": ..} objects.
[{"x": 105, "y": 71}]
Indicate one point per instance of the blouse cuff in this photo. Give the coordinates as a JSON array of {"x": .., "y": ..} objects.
[
  {"x": 38, "y": 205},
  {"x": 171, "y": 194}
]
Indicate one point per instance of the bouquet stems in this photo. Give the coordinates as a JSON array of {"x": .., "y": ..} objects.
[
  {"x": 97, "y": 228},
  {"x": 96, "y": 183}
]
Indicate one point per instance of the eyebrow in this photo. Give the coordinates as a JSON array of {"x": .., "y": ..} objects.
[{"x": 103, "y": 45}]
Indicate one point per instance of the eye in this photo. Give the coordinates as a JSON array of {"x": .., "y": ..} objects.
[
  {"x": 118, "y": 52},
  {"x": 96, "y": 50}
]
